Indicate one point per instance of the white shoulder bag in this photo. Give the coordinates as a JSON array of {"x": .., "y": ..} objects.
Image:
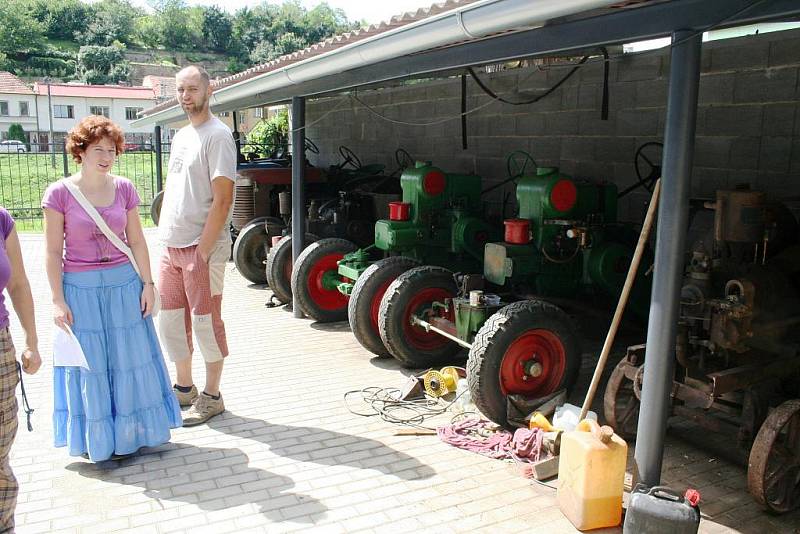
[{"x": 114, "y": 238}]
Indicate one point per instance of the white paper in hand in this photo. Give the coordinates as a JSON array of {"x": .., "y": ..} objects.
[{"x": 67, "y": 352}]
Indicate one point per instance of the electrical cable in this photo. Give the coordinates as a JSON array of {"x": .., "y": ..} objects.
[
  {"x": 406, "y": 123},
  {"x": 555, "y": 86},
  {"x": 572, "y": 66},
  {"x": 386, "y": 403},
  {"x": 342, "y": 100}
]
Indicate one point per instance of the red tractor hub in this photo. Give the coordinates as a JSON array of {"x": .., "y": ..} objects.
[
  {"x": 533, "y": 365},
  {"x": 323, "y": 281},
  {"x": 420, "y": 305}
]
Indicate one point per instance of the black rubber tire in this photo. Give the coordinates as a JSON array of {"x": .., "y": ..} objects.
[
  {"x": 394, "y": 310},
  {"x": 155, "y": 207},
  {"x": 495, "y": 337},
  {"x": 279, "y": 263},
  {"x": 302, "y": 278},
  {"x": 360, "y": 306},
  {"x": 250, "y": 252}
]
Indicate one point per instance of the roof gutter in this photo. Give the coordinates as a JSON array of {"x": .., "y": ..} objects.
[{"x": 469, "y": 22}]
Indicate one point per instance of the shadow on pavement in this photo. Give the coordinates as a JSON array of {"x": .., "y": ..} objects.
[
  {"x": 338, "y": 326},
  {"x": 320, "y": 446},
  {"x": 268, "y": 491}
]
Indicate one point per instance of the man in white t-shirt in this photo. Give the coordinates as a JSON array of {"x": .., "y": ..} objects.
[{"x": 195, "y": 216}]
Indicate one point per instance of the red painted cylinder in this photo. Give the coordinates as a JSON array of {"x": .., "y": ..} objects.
[
  {"x": 518, "y": 231},
  {"x": 399, "y": 211}
]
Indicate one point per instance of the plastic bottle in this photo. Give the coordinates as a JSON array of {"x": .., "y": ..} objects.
[
  {"x": 591, "y": 475},
  {"x": 463, "y": 401},
  {"x": 566, "y": 417}
]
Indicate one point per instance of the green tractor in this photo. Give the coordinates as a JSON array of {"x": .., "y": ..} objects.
[
  {"x": 565, "y": 244},
  {"x": 437, "y": 222}
]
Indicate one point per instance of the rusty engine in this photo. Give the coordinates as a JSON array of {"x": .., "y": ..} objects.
[{"x": 737, "y": 346}]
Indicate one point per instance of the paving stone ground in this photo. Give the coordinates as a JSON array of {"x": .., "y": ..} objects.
[{"x": 287, "y": 455}]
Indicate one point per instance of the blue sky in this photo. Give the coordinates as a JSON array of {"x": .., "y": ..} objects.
[{"x": 371, "y": 11}]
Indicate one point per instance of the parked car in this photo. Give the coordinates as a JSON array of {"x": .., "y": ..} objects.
[
  {"x": 138, "y": 147},
  {"x": 12, "y": 146}
]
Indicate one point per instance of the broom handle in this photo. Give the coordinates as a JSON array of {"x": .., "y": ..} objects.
[{"x": 623, "y": 298}]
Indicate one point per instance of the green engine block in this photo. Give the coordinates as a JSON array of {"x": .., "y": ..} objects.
[
  {"x": 444, "y": 225},
  {"x": 573, "y": 245}
]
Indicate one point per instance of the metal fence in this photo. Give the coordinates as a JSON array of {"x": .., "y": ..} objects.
[{"x": 25, "y": 175}]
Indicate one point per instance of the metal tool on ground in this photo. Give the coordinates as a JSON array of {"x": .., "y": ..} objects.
[
  {"x": 440, "y": 383},
  {"x": 737, "y": 350}
]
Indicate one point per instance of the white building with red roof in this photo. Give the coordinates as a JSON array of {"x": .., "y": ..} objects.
[
  {"x": 67, "y": 103},
  {"x": 17, "y": 104}
]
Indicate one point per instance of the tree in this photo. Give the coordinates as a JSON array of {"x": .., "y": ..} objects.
[
  {"x": 217, "y": 28},
  {"x": 147, "y": 31},
  {"x": 263, "y": 52},
  {"x": 324, "y": 21},
  {"x": 103, "y": 64},
  {"x": 113, "y": 21},
  {"x": 62, "y": 18},
  {"x": 20, "y": 33},
  {"x": 15, "y": 131},
  {"x": 268, "y": 135}
]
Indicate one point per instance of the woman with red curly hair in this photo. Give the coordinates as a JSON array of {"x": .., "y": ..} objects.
[{"x": 123, "y": 401}]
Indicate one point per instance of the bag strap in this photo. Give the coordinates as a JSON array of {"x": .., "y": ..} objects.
[{"x": 100, "y": 222}]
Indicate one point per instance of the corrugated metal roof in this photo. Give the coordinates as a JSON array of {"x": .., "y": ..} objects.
[
  {"x": 338, "y": 41},
  {"x": 328, "y": 45},
  {"x": 10, "y": 84},
  {"x": 96, "y": 91}
]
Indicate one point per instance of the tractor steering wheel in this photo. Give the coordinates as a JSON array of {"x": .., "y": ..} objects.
[
  {"x": 310, "y": 146},
  {"x": 518, "y": 163},
  {"x": 652, "y": 163},
  {"x": 403, "y": 159},
  {"x": 348, "y": 157}
]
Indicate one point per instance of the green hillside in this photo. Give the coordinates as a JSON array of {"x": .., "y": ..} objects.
[{"x": 122, "y": 42}]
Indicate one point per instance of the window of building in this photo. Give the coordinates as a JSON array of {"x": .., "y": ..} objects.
[
  {"x": 99, "y": 110},
  {"x": 61, "y": 111},
  {"x": 259, "y": 113},
  {"x": 225, "y": 114},
  {"x": 132, "y": 113},
  {"x": 23, "y": 109},
  {"x": 4, "y": 108}
]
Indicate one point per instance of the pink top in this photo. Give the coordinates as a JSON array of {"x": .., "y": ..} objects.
[
  {"x": 6, "y": 225},
  {"x": 85, "y": 246}
]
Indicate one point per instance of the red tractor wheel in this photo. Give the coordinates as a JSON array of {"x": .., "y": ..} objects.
[
  {"x": 528, "y": 348},
  {"x": 279, "y": 267},
  {"x": 413, "y": 293},
  {"x": 365, "y": 300},
  {"x": 315, "y": 279}
]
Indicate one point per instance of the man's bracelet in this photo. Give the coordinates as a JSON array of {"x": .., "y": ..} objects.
[{"x": 149, "y": 283}]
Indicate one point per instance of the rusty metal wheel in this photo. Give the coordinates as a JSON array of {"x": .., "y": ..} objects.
[
  {"x": 620, "y": 401},
  {"x": 773, "y": 472}
]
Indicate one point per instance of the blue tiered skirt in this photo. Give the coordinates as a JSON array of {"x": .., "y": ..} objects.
[{"x": 124, "y": 401}]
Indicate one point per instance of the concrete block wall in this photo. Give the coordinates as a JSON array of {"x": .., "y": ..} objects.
[{"x": 748, "y": 122}]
